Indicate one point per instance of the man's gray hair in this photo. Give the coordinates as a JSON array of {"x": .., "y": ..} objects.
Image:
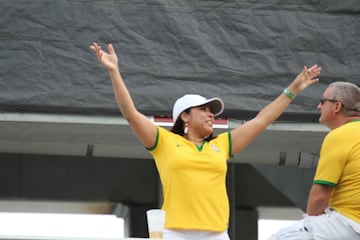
[{"x": 349, "y": 95}]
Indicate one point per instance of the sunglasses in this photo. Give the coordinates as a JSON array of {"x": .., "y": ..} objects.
[{"x": 323, "y": 100}]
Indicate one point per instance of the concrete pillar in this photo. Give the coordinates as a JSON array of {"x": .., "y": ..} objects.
[
  {"x": 138, "y": 224},
  {"x": 243, "y": 222},
  {"x": 246, "y": 224}
]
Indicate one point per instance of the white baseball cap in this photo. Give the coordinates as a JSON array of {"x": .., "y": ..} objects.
[{"x": 194, "y": 100}]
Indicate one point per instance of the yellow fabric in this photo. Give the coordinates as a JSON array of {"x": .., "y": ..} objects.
[
  {"x": 339, "y": 166},
  {"x": 193, "y": 179}
]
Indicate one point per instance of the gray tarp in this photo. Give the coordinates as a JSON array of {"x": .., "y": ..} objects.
[{"x": 245, "y": 52}]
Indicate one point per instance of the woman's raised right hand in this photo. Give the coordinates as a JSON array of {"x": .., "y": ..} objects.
[{"x": 108, "y": 60}]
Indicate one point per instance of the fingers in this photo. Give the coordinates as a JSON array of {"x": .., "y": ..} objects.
[
  {"x": 99, "y": 52},
  {"x": 94, "y": 45},
  {"x": 314, "y": 69},
  {"x": 97, "y": 49},
  {"x": 312, "y": 72},
  {"x": 111, "y": 49}
]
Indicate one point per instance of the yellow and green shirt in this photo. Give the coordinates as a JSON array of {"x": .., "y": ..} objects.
[
  {"x": 193, "y": 180},
  {"x": 339, "y": 166}
]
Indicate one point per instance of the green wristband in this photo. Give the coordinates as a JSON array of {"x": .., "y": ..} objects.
[{"x": 289, "y": 94}]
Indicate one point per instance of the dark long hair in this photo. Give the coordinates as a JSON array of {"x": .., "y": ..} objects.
[{"x": 179, "y": 125}]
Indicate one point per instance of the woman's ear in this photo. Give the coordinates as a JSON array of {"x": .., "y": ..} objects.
[{"x": 184, "y": 117}]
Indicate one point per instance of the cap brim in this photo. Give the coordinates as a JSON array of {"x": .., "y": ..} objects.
[
  {"x": 216, "y": 105},
  {"x": 192, "y": 100}
]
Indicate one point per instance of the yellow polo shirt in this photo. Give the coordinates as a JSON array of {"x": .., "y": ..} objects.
[
  {"x": 339, "y": 166},
  {"x": 193, "y": 180}
]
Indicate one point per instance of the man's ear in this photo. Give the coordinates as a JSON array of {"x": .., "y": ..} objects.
[{"x": 338, "y": 107}]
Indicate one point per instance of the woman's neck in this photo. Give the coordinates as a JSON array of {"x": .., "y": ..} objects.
[{"x": 194, "y": 139}]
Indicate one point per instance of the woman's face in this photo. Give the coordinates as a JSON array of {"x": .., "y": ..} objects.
[{"x": 200, "y": 120}]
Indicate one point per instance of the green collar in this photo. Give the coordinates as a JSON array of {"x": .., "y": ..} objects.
[{"x": 200, "y": 147}]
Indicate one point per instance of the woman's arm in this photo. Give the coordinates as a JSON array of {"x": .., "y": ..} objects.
[
  {"x": 144, "y": 129},
  {"x": 246, "y": 133}
]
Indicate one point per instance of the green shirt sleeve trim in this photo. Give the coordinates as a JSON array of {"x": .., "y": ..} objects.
[
  {"x": 324, "y": 183},
  {"x": 230, "y": 145},
  {"x": 156, "y": 141}
]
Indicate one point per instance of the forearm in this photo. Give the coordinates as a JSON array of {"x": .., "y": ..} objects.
[
  {"x": 274, "y": 109},
  {"x": 316, "y": 207},
  {"x": 122, "y": 95},
  {"x": 318, "y": 199}
]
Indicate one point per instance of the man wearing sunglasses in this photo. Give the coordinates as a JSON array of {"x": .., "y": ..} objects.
[{"x": 333, "y": 209}]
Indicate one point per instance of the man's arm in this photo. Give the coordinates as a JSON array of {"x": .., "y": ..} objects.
[{"x": 318, "y": 199}]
